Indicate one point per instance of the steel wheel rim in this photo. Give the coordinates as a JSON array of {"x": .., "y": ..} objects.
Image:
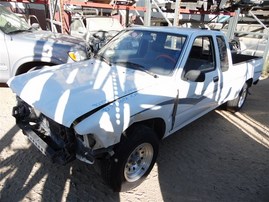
[
  {"x": 242, "y": 97},
  {"x": 138, "y": 162}
]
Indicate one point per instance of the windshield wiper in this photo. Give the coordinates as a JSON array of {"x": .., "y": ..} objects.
[
  {"x": 139, "y": 67},
  {"x": 102, "y": 58}
]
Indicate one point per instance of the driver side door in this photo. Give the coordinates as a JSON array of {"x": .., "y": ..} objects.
[{"x": 197, "y": 96}]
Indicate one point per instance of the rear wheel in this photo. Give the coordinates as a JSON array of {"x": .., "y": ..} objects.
[
  {"x": 236, "y": 104},
  {"x": 133, "y": 159}
]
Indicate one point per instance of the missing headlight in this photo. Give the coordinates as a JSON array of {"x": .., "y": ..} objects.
[{"x": 87, "y": 140}]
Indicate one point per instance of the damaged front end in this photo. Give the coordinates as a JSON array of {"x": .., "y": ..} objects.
[{"x": 61, "y": 144}]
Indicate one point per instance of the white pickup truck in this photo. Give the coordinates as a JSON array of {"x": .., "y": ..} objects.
[{"x": 144, "y": 85}]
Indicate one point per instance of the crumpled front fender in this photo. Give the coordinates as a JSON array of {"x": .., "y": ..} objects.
[{"x": 106, "y": 125}]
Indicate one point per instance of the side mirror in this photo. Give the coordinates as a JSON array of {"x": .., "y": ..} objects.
[{"x": 195, "y": 76}]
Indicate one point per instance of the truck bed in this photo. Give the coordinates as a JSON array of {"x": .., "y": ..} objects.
[
  {"x": 255, "y": 62},
  {"x": 238, "y": 58}
]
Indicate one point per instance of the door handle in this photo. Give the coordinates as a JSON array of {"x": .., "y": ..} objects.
[{"x": 216, "y": 78}]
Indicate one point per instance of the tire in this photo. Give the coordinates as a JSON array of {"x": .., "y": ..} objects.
[
  {"x": 133, "y": 159},
  {"x": 236, "y": 104}
]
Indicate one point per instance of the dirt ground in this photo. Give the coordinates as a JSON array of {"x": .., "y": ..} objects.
[{"x": 220, "y": 157}]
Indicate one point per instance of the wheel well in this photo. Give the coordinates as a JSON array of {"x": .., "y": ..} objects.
[
  {"x": 27, "y": 66},
  {"x": 249, "y": 82},
  {"x": 157, "y": 125}
]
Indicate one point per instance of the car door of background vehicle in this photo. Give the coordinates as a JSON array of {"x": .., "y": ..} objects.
[
  {"x": 4, "y": 59},
  {"x": 197, "y": 98}
]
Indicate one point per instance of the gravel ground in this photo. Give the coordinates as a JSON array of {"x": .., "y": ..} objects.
[{"x": 220, "y": 157}]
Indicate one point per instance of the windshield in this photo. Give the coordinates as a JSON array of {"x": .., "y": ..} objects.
[
  {"x": 155, "y": 52},
  {"x": 10, "y": 23}
]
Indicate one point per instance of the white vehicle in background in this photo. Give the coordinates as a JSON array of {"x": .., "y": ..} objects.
[
  {"x": 97, "y": 31},
  {"x": 142, "y": 86},
  {"x": 86, "y": 27},
  {"x": 25, "y": 48}
]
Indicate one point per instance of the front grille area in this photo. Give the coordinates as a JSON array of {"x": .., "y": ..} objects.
[
  {"x": 54, "y": 140},
  {"x": 57, "y": 133}
]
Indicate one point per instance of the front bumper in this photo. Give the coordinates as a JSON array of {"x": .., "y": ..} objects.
[{"x": 57, "y": 142}]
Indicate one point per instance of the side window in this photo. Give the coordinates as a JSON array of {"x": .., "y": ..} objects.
[
  {"x": 201, "y": 56},
  {"x": 224, "y": 65}
]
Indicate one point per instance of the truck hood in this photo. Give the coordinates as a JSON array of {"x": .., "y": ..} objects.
[
  {"x": 66, "y": 92},
  {"x": 47, "y": 36}
]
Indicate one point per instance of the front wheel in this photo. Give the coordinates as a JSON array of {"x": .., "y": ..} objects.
[
  {"x": 133, "y": 159},
  {"x": 236, "y": 104}
]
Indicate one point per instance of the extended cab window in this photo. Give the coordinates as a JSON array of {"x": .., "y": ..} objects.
[
  {"x": 201, "y": 56},
  {"x": 224, "y": 65}
]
